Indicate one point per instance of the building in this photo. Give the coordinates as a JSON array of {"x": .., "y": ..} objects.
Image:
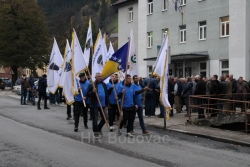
[{"x": 205, "y": 36}]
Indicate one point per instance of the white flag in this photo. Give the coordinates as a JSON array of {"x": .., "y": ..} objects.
[
  {"x": 79, "y": 63},
  {"x": 161, "y": 70},
  {"x": 67, "y": 53},
  {"x": 133, "y": 68},
  {"x": 88, "y": 44},
  {"x": 99, "y": 57},
  {"x": 111, "y": 51},
  {"x": 55, "y": 68},
  {"x": 68, "y": 78},
  {"x": 109, "y": 54}
]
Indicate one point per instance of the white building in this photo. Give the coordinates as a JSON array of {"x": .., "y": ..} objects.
[{"x": 210, "y": 37}]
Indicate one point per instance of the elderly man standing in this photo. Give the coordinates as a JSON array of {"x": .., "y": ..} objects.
[
  {"x": 242, "y": 88},
  {"x": 200, "y": 89},
  {"x": 227, "y": 105},
  {"x": 177, "y": 94}
]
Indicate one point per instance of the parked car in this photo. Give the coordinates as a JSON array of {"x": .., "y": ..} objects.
[
  {"x": 7, "y": 82},
  {"x": 17, "y": 89},
  {"x": 2, "y": 84}
]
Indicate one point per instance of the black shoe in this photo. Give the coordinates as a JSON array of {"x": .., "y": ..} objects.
[
  {"x": 90, "y": 118},
  {"x": 38, "y": 108},
  {"x": 86, "y": 126},
  {"x": 76, "y": 129},
  {"x": 159, "y": 116},
  {"x": 25, "y": 104},
  {"x": 125, "y": 125},
  {"x": 33, "y": 104},
  {"x": 46, "y": 108},
  {"x": 69, "y": 117},
  {"x": 171, "y": 115}
]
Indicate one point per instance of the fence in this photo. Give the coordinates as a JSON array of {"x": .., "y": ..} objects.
[{"x": 209, "y": 106}]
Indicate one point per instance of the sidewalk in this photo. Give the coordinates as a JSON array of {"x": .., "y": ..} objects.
[{"x": 178, "y": 124}]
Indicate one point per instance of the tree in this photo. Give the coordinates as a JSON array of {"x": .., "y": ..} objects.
[
  {"x": 24, "y": 35},
  {"x": 103, "y": 15}
]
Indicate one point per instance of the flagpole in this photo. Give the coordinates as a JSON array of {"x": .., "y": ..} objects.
[
  {"x": 124, "y": 84},
  {"x": 117, "y": 102},
  {"x": 81, "y": 93},
  {"x": 148, "y": 84},
  {"x": 98, "y": 97}
]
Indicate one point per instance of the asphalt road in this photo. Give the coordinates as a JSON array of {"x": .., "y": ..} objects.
[{"x": 29, "y": 137}]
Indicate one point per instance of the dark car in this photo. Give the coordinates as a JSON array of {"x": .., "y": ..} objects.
[
  {"x": 2, "y": 84},
  {"x": 7, "y": 82}
]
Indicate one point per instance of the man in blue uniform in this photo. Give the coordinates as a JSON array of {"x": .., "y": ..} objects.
[
  {"x": 102, "y": 92},
  {"x": 79, "y": 106},
  {"x": 150, "y": 96},
  {"x": 138, "y": 92},
  {"x": 113, "y": 108},
  {"x": 129, "y": 105}
]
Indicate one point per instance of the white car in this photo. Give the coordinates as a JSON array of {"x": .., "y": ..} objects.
[{"x": 17, "y": 89}]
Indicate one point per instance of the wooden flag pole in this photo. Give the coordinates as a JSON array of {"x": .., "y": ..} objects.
[
  {"x": 117, "y": 102},
  {"x": 81, "y": 93},
  {"x": 148, "y": 84},
  {"x": 124, "y": 84},
  {"x": 93, "y": 84}
]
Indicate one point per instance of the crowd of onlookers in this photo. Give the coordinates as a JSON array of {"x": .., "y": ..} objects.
[{"x": 225, "y": 87}]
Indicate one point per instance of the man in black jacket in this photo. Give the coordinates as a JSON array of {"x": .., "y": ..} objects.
[
  {"x": 102, "y": 92},
  {"x": 200, "y": 89},
  {"x": 42, "y": 85},
  {"x": 214, "y": 91},
  {"x": 177, "y": 95}
]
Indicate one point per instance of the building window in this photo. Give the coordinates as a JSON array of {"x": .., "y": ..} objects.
[
  {"x": 130, "y": 11},
  {"x": 150, "y": 68},
  {"x": 165, "y": 5},
  {"x": 150, "y": 6},
  {"x": 164, "y": 33},
  {"x": 224, "y": 67},
  {"x": 202, "y": 30},
  {"x": 224, "y": 26},
  {"x": 150, "y": 39},
  {"x": 183, "y": 34},
  {"x": 182, "y": 2},
  {"x": 203, "y": 68}
]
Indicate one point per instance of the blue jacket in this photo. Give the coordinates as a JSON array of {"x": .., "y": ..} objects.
[
  {"x": 187, "y": 90},
  {"x": 84, "y": 86},
  {"x": 129, "y": 96},
  {"x": 152, "y": 85},
  {"x": 112, "y": 98},
  {"x": 138, "y": 94}
]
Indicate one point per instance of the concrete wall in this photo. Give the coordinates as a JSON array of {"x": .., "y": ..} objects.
[{"x": 239, "y": 38}]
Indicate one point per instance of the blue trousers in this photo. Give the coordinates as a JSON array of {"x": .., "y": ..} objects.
[
  {"x": 139, "y": 112},
  {"x": 23, "y": 95}
]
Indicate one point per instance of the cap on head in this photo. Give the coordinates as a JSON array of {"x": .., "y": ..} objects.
[
  {"x": 44, "y": 75},
  {"x": 81, "y": 74}
]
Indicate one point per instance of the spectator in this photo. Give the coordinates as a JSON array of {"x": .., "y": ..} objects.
[
  {"x": 177, "y": 94},
  {"x": 24, "y": 88},
  {"x": 200, "y": 89},
  {"x": 187, "y": 91},
  {"x": 242, "y": 89}
]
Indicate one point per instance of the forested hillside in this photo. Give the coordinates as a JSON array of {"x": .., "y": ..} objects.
[{"x": 64, "y": 15}]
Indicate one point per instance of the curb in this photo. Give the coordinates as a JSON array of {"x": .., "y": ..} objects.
[{"x": 216, "y": 138}]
